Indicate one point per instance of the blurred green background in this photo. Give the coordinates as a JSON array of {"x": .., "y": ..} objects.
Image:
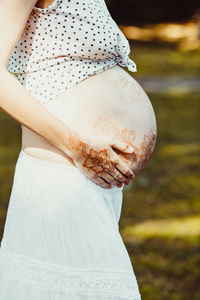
[{"x": 160, "y": 221}]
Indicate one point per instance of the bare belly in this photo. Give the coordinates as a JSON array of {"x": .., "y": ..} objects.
[{"x": 110, "y": 103}]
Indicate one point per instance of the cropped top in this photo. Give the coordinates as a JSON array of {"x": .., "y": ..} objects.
[{"x": 65, "y": 43}]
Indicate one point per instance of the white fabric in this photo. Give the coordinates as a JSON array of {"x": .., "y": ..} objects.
[
  {"x": 61, "y": 239},
  {"x": 65, "y": 43}
]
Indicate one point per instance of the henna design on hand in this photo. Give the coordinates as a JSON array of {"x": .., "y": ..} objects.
[
  {"x": 74, "y": 141},
  {"x": 140, "y": 155},
  {"x": 97, "y": 161}
]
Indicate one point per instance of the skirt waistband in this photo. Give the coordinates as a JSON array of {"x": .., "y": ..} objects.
[{"x": 49, "y": 168}]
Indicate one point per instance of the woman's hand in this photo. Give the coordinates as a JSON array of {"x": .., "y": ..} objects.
[{"x": 95, "y": 158}]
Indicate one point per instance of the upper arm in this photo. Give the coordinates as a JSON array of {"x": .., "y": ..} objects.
[{"x": 13, "y": 17}]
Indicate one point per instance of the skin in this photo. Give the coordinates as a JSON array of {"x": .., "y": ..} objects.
[
  {"x": 119, "y": 109},
  {"x": 138, "y": 159},
  {"x": 130, "y": 90},
  {"x": 46, "y": 129},
  {"x": 95, "y": 160},
  {"x": 43, "y": 3}
]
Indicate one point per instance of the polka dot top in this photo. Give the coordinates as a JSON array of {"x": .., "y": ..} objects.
[{"x": 65, "y": 43}]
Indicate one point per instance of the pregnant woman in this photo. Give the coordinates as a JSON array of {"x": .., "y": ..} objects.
[{"x": 87, "y": 129}]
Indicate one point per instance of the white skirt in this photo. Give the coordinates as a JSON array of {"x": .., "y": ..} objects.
[{"x": 61, "y": 238}]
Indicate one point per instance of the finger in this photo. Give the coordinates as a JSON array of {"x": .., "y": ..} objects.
[
  {"x": 100, "y": 181},
  {"x": 96, "y": 179},
  {"x": 123, "y": 147},
  {"x": 118, "y": 177},
  {"x": 104, "y": 184},
  {"x": 112, "y": 180},
  {"x": 121, "y": 166}
]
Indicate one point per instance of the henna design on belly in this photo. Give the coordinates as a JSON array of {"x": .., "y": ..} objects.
[
  {"x": 97, "y": 161},
  {"x": 146, "y": 148},
  {"x": 108, "y": 128},
  {"x": 129, "y": 89},
  {"x": 141, "y": 155}
]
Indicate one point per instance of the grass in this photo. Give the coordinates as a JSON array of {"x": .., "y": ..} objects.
[
  {"x": 160, "y": 222},
  {"x": 161, "y": 60},
  {"x": 160, "y": 219}
]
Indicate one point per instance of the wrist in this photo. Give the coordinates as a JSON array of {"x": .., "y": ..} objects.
[{"x": 75, "y": 143}]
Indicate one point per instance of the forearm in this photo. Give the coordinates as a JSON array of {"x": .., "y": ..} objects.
[{"x": 16, "y": 101}]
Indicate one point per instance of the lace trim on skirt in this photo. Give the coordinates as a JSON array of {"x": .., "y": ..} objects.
[{"x": 91, "y": 282}]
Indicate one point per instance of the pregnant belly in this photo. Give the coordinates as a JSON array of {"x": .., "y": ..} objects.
[{"x": 110, "y": 103}]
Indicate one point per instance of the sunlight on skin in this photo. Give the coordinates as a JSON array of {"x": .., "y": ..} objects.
[{"x": 185, "y": 228}]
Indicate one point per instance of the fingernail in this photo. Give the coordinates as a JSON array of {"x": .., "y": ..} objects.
[
  {"x": 126, "y": 183},
  {"x": 119, "y": 185},
  {"x": 132, "y": 176}
]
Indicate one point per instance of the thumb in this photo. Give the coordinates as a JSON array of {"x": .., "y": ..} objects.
[{"x": 123, "y": 147}]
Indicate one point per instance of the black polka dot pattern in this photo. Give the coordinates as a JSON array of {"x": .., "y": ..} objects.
[{"x": 65, "y": 43}]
